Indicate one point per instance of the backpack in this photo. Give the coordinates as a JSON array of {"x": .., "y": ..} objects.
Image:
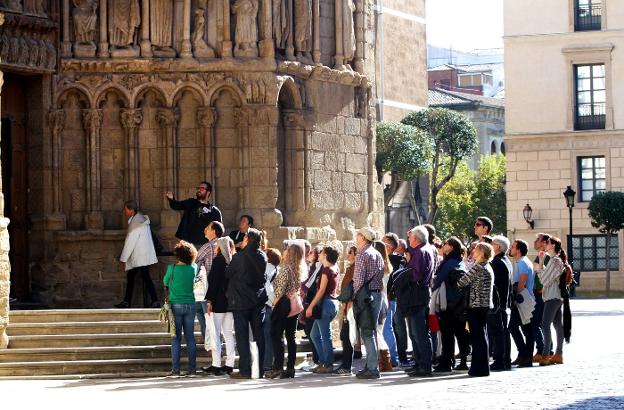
[{"x": 566, "y": 280}]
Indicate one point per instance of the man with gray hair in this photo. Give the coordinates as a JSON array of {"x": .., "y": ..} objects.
[
  {"x": 497, "y": 317},
  {"x": 422, "y": 259}
]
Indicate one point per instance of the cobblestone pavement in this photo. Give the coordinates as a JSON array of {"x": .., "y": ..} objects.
[{"x": 591, "y": 378}]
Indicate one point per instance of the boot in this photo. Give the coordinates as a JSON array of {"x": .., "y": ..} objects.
[
  {"x": 384, "y": 361},
  {"x": 556, "y": 359}
]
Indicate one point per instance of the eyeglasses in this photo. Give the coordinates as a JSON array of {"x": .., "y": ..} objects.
[{"x": 201, "y": 188}]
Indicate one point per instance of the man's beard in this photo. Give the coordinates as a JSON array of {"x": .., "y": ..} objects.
[{"x": 201, "y": 196}]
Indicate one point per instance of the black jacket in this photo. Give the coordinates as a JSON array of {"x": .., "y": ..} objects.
[
  {"x": 237, "y": 236},
  {"x": 217, "y": 285},
  {"x": 245, "y": 276},
  {"x": 501, "y": 265},
  {"x": 195, "y": 219},
  {"x": 397, "y": 262}
]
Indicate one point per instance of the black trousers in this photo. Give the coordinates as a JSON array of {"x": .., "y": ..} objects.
[
  {"x": 498, "y": 330},
  {"x": 452, "y": 327},
  {"x": 131, "y": 274},
  {"x": 282, "y": 324},
  {"x": 347, "y": 349},
  {"x": 524, "y": 344},
  {"x": 243, "y": 319},
  {"x": 477, "y": 321},
  {"x": 400, "y": 333}
]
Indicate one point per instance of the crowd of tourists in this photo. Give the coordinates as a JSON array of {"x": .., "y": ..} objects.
[{"x": 436, "y": 293}]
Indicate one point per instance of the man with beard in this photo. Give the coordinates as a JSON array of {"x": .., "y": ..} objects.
[{"x": 198, "y": 213}]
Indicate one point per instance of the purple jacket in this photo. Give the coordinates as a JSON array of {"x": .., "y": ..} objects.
[{"x": 423, "y": 263}]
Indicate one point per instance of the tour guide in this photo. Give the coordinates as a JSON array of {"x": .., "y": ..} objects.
[{"x": 198, "y": 213}]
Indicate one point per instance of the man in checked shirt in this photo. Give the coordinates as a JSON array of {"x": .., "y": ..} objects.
[{"x": 369, "y": 269}]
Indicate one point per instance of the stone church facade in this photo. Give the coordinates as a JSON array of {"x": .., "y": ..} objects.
[{"x": 104, "y": 101}]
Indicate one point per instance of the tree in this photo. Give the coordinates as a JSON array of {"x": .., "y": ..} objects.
[
  {"x": 404, "y": 152},
  {"x": 606, "y": 210},
  {"x": 490, "y": 197},
  {"x": 454, "y": 139},
  {"x": 455, "y": 216}
]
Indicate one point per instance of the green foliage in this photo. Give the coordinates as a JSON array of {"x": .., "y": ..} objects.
[
  {"x": 606, "y": 210},
  {"x": 471, "y": 194},
  {"x": 402, "y": 150}
]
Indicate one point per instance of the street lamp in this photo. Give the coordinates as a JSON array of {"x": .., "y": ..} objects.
[
  {"x": 569, "y": 194},
  {"x": 527, "y": 212}
]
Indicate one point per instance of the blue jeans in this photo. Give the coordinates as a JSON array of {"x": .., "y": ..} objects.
[
  {"x": 370, "y": 335},
  {"x": 388, "y": 332},
  {"x": 268, "y": 346},
  {"x": 419, "y": 333},
  {"x": 201, "y": 308},
  {"x": 184, "y": 317},
  {"x": 321, "y": 332}
]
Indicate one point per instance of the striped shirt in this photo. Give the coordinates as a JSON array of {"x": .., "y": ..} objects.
[
  {"x": 549, "y": 276},
  {"x": 481, "y": 281},
  {"x": 369, "y": 266}
]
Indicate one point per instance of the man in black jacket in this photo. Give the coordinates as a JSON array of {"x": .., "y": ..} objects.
[
  {"x": 198, "y": 213},
  {"x": 246, "y": 281},
  {"x": 245, "y": 222},
  {"x": 497, "y": 324}
]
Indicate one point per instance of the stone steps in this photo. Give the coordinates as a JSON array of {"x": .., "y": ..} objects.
[{"x": 94, "y": 343}]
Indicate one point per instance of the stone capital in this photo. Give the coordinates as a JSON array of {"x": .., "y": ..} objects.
[
  {"x": 56, "y": 119},
  {"x": 131, "y": 118},
  {"x": 166, "y": 117},
  {"x": 91, "y": 119},
  {"x": 206, "y": 117}
]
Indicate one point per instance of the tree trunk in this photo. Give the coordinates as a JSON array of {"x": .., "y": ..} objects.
[
  {"x": 608, "y": 263},
  {"x": 392, "y": 189},
  {"x": 413, "y": 204}
]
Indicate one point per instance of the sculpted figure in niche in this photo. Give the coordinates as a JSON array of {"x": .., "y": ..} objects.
[
  {"x": 13, "y": 5},
  {"x": 84, "y": 21},
  {"x": 200, "y": 48},
  {"x": 161, "y": 28},
  {"x": 246, "y": 28},
  {"x": 281, "y": 23},
  {"x": 4, "y": 47},
  {"x": 36, "y": 7},
  {"x": 33, "y": 56},
  {"x": 348, "y": 30},
  {"x": 303, "y": 30},
  {"x": 123, "y": 21}
]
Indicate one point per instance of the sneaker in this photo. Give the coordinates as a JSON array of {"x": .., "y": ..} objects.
[
  {"x": 341, "y": 371},
  {"x": 191, "y": 373},
  {"x": 324, "y": 369},
  {"x": 174, "y": 373},
  {"x": 368, "y": 374},
  {"x": 122, "y": 305}
]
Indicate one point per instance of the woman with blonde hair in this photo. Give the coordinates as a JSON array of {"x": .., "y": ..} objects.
[
  {"x": 480, "y": 278},
  {"x": 287, "y": 282}
]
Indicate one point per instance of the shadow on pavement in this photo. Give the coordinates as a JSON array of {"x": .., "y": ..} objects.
[{"x": 596, "y": 403}]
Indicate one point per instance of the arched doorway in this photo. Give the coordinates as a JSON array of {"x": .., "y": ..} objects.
[{"x": 286, "y": 155}]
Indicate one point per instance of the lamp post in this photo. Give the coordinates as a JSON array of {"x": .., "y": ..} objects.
[{"x": 569, "y": 194}]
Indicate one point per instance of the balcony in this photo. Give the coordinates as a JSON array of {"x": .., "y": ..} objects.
[
  {"x": 590, "y": 117},
  {"x": 588, "y": 16}
]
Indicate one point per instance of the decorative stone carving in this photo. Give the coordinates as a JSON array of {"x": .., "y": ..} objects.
[
  {"x": 11, "y": 5},
  {"x": 35, "y": 7},
  {"x": 85, "y": 21},
  {"x": 282, "y": 24},
  {"x": 200, "y": 48},
  {"x": 348, "y": 30},
  {"x": 123, "y": 20},
  {"x": 246, "y": 28},
  {"x": 303, "y": 30},
  {"x": 161, "y": 28},
  {"x": 130, "y": 121},
  {"x": 56, "y": 120},
  {"x": 92, "y": 123},
  {"x": 206, "y": 117}
]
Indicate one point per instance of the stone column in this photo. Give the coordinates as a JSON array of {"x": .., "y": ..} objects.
[
  {"x": 206, "y": 119},
  {"x": 5, "y": 266},
  {"x": 167, "y": 120},
  {"x": 185, "y": 47},
  {"x": 290, "y": 43},
  {"x": 339, "y": 57},
  {"x": 267, "y": 45},
  {"x": 243, "y": 117},
  {"x": 226, "y": 44},
  {"x": 56, "y": 119},
  {"x": 103, "y": 44},
  {"x": 130, "y": 121},
  {"x": 92, "y": 123},
  {"x": 146, "y": 45},
  {"x": 358, "y": 60},
  {"x": 316, "y": 20},
  {"x": 66, "y": 45}
]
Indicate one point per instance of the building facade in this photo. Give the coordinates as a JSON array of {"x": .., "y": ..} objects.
[
  {"x": 105, "y": 101},
  {"x": 564, "y": 71}
]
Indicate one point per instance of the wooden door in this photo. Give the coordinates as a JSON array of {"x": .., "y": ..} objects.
[{"x": 14, "y": 149}]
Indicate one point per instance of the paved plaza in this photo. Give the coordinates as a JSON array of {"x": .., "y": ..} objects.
[{"x": 591, "y": 378}]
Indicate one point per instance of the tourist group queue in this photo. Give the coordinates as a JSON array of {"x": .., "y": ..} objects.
[{"x": 435, "y": 292}]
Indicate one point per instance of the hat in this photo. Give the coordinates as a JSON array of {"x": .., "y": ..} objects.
[{"x": 368, "y": 233}]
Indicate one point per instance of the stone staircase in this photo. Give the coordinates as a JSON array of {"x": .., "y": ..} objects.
[{"x": 92, "y": 343}]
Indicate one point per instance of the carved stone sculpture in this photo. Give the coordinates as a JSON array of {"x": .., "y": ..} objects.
[
  {"x": 4, "y": 47},
  {"x": 35, "y": 7},
  {"x": 33, "y": 55},
  {"x": 348, "y": 30},
  {"x": 282, "y": 29},
  {"x": 123, "y": 20},
  {"x": 200, "y": 48},
  {"x": 51, "y": 63},
  {"x": 161, "y": 28},
  {"x": 303, "y": 30},
  {"x": 246, "y": 28},
  {"x": 13, "y": 5},
  {"x": 85, "y": 21}
]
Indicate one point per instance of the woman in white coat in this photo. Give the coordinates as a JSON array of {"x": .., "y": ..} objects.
[{"x": 138, "y": 253}]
